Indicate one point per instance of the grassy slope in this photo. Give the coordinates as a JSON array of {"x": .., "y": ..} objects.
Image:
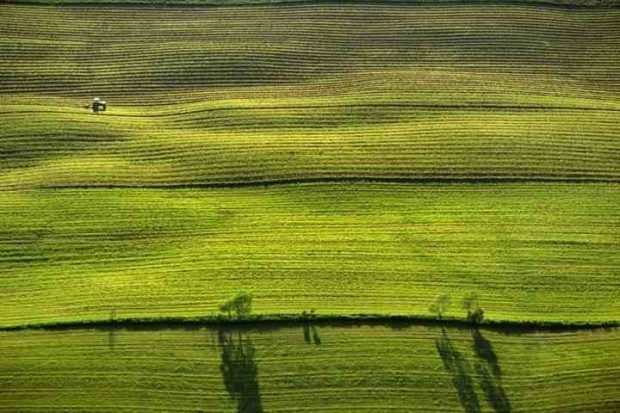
[
  {"x": 531, "y": 251},
  {"x": 212, "y": 95},
  {"x": 303, "y": 92},
  {"x": 66, "y": 149},
  {"x": 366, "y": 369}
]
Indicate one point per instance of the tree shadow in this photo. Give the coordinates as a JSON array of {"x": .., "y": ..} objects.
[
  {"x": 315, "y": 336},
  {"x": 311, "y": 334},
  {"x": 306, "y": 328},
  {"x": 484, "y": 351},
  {"x": 239, "y": 370},
  {"x": 112, "y": 330},
  {"x": 490, "y": 373},
  {"x": 111, "y": 339},
  {"x": 459, "y": 368},
  {"x": 493, "y": 389}
]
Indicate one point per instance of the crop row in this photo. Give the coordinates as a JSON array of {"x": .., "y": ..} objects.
[
  {"x": 281, "y": 3},
  {"x": 307, "y": 92}
]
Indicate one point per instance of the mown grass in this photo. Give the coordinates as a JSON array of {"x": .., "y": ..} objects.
[
  {"x": 565, "y": 3},
  {"x": 309, "y": 92},
  {"x": 248, "y": 145},
  {"x": 309, "y": 368},
  {"x": 539, "y": 252},
  {"x": 226, "y": 99},
  {"x": 303, "y": 92}
]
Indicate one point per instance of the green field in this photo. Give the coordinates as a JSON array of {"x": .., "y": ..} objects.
[
  {"x": 412, "y": 97},
  {"x": 316, "y": 368},
  {"x": 308, "y": 92},
  {"x": 542, "y": 252},
  {"x": 356, "y": 159}
]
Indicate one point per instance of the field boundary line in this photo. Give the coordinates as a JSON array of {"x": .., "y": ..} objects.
[{"x": 282, "y": 320}]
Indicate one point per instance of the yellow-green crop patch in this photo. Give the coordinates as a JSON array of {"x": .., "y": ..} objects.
[
  {"x": 543, "y": 252},
  {"x": 309, "y": 368}
]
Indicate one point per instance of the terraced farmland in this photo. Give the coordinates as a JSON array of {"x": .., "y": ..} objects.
[{"x": 309, "y": 368}]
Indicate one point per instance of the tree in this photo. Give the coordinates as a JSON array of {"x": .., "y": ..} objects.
[
  {"x": 475, "y": 313},
  {"x": 226, "y": 307},
  {"x": 440, "y": 305},
  {"x": 470, "y": 302},
  {"x": 240, "y": 305},
  {"x": 476, "y": 316}
]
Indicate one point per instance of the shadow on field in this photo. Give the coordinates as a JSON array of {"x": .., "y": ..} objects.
[
  {"x": 490, "y": 373},
  {"x": 484, "y": 351},
  {"x": 487, "y": 369},
  {"x": 239, "y": 370},
  {"x": 112, "y": 331},
  {"x": 311, "y": 334},
  {"x": 493, "y": 390},
  {"x": 111, "y": 338},
  {"x": 459, "y": 368}
]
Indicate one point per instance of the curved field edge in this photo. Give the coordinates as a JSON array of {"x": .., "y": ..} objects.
[
  {"x": 309, "y": 366},
  {"x": 532, "y": 252}
]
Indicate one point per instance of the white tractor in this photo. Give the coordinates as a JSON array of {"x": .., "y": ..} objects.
[{"x": 98, "y": 105}]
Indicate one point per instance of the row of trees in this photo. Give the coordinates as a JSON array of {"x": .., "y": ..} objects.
[
  {"x": 241, "y": 306},
  {"x": 470, "y": 303}
]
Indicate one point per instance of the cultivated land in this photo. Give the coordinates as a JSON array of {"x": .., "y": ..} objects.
[
  {"x": 493, "y": 95},
  {"x": 311, "y": 368},
  {"x": 353, "y": 158},
  {"x": 308, "y": 92},
  {"x": 543, "y": 252}
]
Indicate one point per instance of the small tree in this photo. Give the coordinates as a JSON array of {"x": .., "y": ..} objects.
[
  {"x": 475, "y": 314},
  {"x": 240, "y": 305},
  {"x": 226, "y": 307},
  {"x": 440, "y": 305}
]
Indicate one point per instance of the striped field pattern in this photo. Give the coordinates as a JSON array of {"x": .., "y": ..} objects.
[
  {"x": 543, "y": 252},
  {"x": 506, "y": 99},
  {"x": 311, "y": 368},
  {"x": 349, "y": 158},
  {"x": 308, "y": 92}
]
